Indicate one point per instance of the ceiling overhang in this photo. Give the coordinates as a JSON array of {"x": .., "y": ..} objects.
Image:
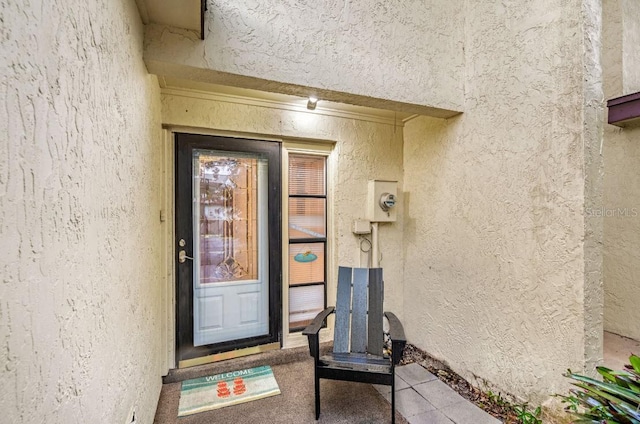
[
  {"x": 185, "y": 14},
  {"x": 204, "y": 91}
]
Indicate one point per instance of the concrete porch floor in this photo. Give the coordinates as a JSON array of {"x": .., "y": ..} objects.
[
  {"x": 341, "y": 402},
  {"x": 420, "y": 396},
  {"x": 423, "y": 399},
  {"x": 617, "y": 350}
]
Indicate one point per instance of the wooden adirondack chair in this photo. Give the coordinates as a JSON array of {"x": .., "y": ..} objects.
[{"x": 358, "y": 354}]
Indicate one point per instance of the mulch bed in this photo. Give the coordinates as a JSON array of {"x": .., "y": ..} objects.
[{"x": 495, "y": 406}]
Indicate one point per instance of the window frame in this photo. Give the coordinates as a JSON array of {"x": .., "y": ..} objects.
[
  {"x": 309, "y": 240},
  {"x": 324, "y": 149}
]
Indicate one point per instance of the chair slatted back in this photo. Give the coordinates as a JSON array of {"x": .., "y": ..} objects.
[{"x": 359, "y": 311}]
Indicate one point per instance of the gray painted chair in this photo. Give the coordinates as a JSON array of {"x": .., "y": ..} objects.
[{"x": 358, "y": 343}]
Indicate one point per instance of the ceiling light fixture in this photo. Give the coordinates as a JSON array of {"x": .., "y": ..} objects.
[{"x": 311, "y": 104}]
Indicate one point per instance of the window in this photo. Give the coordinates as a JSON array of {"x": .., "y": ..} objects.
[{"x": 307, "y": 238}]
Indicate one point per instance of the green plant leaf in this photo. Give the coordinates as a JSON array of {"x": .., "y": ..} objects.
[
  {"x": 586, "y": 401},
  {"x": 605, "y": 395},
  {"x": 627, "y": 382},
  {"x": 608, "y": 374},
  {"x": 635, "y": 363},
  {"x": 591, "y": 402},
  {"x": 629, "y": 377},
  {"x": 609, "y": 388},
  {"x": 622, "y": 383},
  {"x": 615, "y": 400},
  {"x": 631, "y": 414},
  {"x": 630, "y": 374}
]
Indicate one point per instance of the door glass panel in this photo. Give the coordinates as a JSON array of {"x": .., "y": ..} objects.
[
  {"x": 227, "y": 222},
  {"x": 230, "y": 263},
  {"x": 306, "y": 263},
  {"x": 306, "y": 218}
]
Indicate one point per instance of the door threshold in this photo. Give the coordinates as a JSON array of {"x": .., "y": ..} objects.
[{"x": 232, "y": 354}]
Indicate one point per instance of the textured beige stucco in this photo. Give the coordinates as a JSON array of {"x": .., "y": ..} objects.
[
  {"x": 621, "y": 205},
  {"x": 406, "y": 55},
  {"x": 592, "y": 110},
  {"x": 612, "y": 48},
  {"x": 363, "y": 151},
  {"x": 494, "y": 263},
  {"x": 80, "y": 160},
  {"x": 502, "y": 269},
  {"x": 631, "y": 41},
  {"x": 622, "y": 231}
]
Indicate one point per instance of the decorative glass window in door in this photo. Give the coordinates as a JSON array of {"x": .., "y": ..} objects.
[
  {"x": 227, "y": 218},
  {"x": 307, "y": 238},
  {"x": 231, "y": 256}
]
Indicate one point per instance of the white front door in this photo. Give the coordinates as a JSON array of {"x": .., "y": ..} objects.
[
  {"x": 231, "y": 254},
  {"x": 228, "y": 244}
]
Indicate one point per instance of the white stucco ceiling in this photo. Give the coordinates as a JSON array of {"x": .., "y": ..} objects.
[{"x": 177, "y": 13}]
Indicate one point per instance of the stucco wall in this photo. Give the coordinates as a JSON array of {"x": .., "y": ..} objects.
[
  {"x": 502, "y": 271},
  {"x": 79, "y": 205},
  {"x": 622, "y": 231},
  {"x": 364, "y": 150},
  {"x": 631, "y": 40},
  {"x": 621, "y": 205},
  {"x": 612, "y": 47},
  {"x": 370, "y": 53}
]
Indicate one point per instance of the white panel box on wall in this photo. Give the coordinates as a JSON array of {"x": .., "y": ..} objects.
[{"x": 382, "y": 200}]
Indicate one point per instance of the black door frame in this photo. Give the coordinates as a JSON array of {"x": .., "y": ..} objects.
[{"x": 184, "y": 145}]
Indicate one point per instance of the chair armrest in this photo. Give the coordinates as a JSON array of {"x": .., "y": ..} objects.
[
  {"x": 396, "y": 334},
  {"x": 312, "y": 331},
  {"x": 317, "y": 322},
  {"x": 396, "y": 330}
]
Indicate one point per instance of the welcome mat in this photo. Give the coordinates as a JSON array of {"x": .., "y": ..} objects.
[{"x": 226, "y": 389}]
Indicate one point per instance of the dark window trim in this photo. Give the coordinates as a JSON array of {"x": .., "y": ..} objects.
[
  {"x": 313, "y": 283},
  {"x": 625, "y": 111},
  {"x": 308, "y": 196},
  {"x": 307, "y": 240}
]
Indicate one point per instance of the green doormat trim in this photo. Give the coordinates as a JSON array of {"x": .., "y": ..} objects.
[{"x": 226, "y": 389}]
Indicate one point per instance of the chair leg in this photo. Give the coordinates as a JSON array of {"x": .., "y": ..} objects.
[
  {"x": 393, "y": 399},
  {"x": 317, "y": 387}
]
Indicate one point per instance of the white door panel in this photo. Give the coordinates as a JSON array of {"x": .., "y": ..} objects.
[{"x": 230, "y": 287}]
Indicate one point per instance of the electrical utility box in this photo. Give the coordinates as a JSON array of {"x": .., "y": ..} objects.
[
  {"x": 361, "y": 226},
  {"x": 383, "y": 196}
]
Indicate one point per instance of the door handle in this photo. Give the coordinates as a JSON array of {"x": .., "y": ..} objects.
[{"x": 182, "y": 257}]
